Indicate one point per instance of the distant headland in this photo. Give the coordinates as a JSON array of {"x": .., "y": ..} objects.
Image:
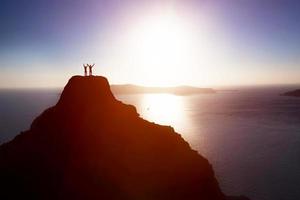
[
  {"x": 294, "y": 93},
  {"x": 180, "y": 90}
]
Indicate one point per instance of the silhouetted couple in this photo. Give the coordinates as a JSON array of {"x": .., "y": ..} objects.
[{"x": 90, "y": 69}]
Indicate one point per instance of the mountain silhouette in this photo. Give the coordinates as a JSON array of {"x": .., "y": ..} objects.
[{"x": 92, "y": 146}]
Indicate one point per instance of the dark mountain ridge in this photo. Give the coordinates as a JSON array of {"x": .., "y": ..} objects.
[{"x": 92, "y": 146}]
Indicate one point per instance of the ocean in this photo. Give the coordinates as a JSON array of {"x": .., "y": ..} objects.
[{"x": 250, "y": 135}]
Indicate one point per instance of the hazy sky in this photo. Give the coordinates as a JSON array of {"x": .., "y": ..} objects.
[{"x": 202, "y": 43}]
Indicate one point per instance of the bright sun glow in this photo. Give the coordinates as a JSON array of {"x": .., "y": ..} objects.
[
  {"x": 164, "y": 41},
  {"x": 162, "y": 45},
  {"x": 169, "y": 49}
]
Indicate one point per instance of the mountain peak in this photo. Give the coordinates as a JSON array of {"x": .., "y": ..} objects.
[{"x": 85, "y": 91}]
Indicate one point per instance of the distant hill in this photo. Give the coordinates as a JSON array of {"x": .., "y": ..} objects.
[
  {"x": 294, "y": 93},
  {"x": 180, "y": 90}
]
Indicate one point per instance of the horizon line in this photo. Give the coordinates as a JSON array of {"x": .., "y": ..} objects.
[{"x": 155, "y": 86}]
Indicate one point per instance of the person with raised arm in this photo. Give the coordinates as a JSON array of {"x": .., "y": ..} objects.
[
  {"x": 90, "y": 69},
  {"x": 85, "y": 69}
]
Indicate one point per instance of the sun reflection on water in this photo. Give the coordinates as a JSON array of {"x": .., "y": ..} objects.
[{"x": 165, "y": 109}]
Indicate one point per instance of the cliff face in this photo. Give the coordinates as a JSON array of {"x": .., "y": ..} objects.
[{"x": 92, "y": 146}]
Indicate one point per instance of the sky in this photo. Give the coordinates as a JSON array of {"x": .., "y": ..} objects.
[{"x": 154, "y": 43}]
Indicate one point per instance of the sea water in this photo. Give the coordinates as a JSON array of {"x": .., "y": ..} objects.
[{"x": 251, "y": 136}]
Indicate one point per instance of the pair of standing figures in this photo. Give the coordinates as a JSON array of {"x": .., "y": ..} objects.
[{"x": 85, "y": 66}]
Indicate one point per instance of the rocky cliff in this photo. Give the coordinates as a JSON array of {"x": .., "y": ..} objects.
[{"x": 92, "y": 146}]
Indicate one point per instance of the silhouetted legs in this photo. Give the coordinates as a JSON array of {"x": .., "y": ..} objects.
[
  {"x": 85, "y": 70},
  {"x": 90, "y": 69}
]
